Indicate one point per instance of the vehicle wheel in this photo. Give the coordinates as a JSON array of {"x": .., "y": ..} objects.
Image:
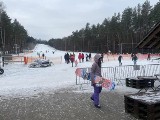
[{"x": 1, "y": 71}]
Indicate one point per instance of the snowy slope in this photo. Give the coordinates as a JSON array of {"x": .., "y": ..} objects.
[{"x": 18, "y": 78}]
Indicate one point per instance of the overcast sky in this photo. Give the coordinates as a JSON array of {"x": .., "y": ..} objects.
[{"x": 46, "y": 19}]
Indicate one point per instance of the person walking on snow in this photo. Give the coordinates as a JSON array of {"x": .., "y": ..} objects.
[
  {"x": 96, "y": 71},
  {"x": 134, "y": 59},
  {"x": 120, "y": 60},
  {"x": 72, "y": 59},
  {"x": 67, "y": 58},
  {"x": 80, "y": 57},
  {"x": 149, "y": 56},
  {"x": 89, "y": 56}
]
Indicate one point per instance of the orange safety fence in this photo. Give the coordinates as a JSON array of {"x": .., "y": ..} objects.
[
  {"x": 113, "y": 57},
  {"x": 144, "y": 56},
  {"x": 55, "y": 60},
  {"x": 26, "y": 60},
  {"x": 58, "y": 60}
]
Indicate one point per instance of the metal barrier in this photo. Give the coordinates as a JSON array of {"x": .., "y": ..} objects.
[
  {"x": 123, "y": 72},
  {"x": 79, "y": 79},
  {"x": 108, "y": 72},
  {"x": 13, "y": 58},
  {"x": 151, "y": 69},
  {"x": 120, "y": 73}
]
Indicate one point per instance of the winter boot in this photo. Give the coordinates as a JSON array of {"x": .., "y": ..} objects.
[{"x": 97, "y": 106}]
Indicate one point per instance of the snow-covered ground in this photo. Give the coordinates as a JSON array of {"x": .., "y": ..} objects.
[{"x": 19, "y": 79}]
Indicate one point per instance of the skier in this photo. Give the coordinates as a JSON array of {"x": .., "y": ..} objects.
[{"x": 96, "y": 71}]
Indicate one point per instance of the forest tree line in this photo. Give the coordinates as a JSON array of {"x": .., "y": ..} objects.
[
  {"x": 117, "y": 34},
  {"x": 13, "y": 34}
]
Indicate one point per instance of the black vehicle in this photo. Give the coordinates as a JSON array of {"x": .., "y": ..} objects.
[{"x": 40, "y": 63}]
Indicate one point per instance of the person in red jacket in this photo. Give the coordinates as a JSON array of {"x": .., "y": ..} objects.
[
  {"x": 72, "y": 59},
  {"x": 80, "y": 57}
]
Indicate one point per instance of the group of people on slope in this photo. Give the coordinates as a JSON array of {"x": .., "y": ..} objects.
[
  {"x": 43, "y": 55},
  {"x": 133, "y": 57},
  {"x": 81, "y": 57},
  {"x": 69, "y": 58}
]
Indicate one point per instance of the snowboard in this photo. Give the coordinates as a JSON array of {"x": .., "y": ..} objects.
[{"x": 106, "y": 83}]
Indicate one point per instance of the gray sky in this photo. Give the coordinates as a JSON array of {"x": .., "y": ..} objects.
[{"x": 46, "y": 19}]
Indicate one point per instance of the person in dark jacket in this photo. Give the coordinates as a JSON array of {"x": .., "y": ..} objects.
[
  {"x": 149, "y": 56},
  {"x": 67, "y": 58},
  {"x": 82, "y": 57},
  {"x": 134, "y": 59},
  {"x": 96, "y": 71},
  {"x": 89, "y": 56},
  {"x": 120, "y": 60}
]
